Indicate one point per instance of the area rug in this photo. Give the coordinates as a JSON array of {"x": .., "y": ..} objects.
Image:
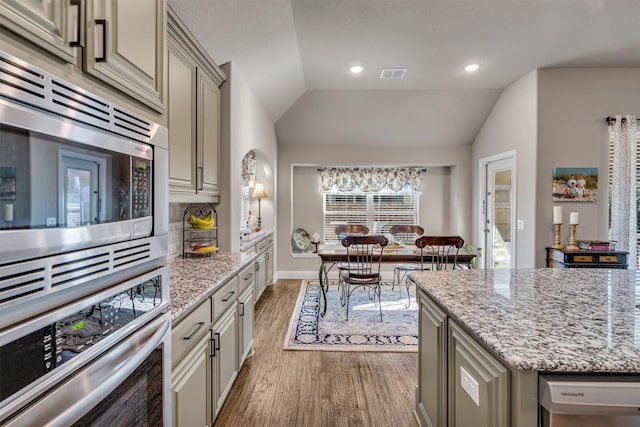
[{"x": 398, "y": 331}]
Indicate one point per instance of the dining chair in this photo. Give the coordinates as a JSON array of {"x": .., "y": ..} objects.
[
  {"x": 405, "y": 233},
  {"x": 364, "y": 257},
  {"x": 343, "y": 231},
  {"x": 439, "y": 252}
]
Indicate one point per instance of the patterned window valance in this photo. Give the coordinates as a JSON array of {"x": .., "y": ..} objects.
[{"x": 371, "y": 179}]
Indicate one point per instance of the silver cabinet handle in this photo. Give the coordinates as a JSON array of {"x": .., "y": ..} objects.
[
  {"x": 248, "y": 276},
  {"x": 242, "y": 307},
  {"x": 201, "y": 183}
]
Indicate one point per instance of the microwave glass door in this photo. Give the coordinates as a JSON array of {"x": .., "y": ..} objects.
[{"x": 50, "y": 182}]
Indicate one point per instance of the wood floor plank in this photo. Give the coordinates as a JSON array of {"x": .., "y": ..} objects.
[{"x": 316, "y": 388}]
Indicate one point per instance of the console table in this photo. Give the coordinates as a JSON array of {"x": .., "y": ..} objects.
[{"x": 584, "y": 258}]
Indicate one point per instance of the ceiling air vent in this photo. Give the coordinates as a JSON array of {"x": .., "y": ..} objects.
[{"x": 393, "y": 73}]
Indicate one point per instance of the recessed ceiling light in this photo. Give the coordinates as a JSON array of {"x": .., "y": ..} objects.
[
  {"x": 356, "y": 69},
  {"x": 471, "y": 68}
]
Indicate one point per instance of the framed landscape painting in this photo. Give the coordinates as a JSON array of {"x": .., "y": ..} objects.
[{"x": 575, "y": 184}]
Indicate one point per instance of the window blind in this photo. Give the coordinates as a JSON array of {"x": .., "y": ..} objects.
[{"x": 378, "y": 211}]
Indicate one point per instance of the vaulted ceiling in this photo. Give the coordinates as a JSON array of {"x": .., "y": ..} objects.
[{"x": 296, "y": 55}]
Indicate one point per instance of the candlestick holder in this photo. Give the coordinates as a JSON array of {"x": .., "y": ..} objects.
[
  {"x": 557, "y": 244},
  {"x": 572, "y": 240}
]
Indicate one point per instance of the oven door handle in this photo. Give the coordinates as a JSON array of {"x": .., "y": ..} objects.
[{"x": 90, "y": 386}]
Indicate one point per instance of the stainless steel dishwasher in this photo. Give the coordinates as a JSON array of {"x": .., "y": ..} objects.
[{"x": 589, "y": 400}]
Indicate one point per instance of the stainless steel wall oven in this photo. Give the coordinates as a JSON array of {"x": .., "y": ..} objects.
[{"x": 84, "y": 323}]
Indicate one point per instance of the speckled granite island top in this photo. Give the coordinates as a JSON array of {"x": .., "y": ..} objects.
[
  {"x": 193, "y": 279},
  {"x": 557, "y": 320}
]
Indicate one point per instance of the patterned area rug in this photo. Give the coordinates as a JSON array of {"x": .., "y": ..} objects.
[{"x": 398, "y": 331}]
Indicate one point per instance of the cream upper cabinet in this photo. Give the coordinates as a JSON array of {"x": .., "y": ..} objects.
[
  {"x": 122, "y": 42},
  {"x": 194, "y": 118},
  {"x": 53, "y": 25},
  {"x": 208, "y": 153},
  {"x": 182, "y": 120},
  {"x": 125, "y": 45}
]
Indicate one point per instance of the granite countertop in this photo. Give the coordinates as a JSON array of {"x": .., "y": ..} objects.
[
  {"x": 194, "y": 279},
  {"x": 254, "y": 239},
  {"x": 547, "y": 319}
]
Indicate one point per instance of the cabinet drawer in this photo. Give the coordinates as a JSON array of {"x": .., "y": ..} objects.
[
  {"x": 582, "y": 258},
  {"x": 225, "y": 297},
  {"x": 187, "y": 332},
  {"x": 246, "y": 277},
  {"x": 261, "y": 246},
  {"x": 608, "y": 258}
]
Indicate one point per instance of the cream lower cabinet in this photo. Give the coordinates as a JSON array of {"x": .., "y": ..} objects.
[
  {"x": 269, "y": 270},
  {"x": 431, "y": 393},
  {"x": 194, "y": 118},
  {"x": 190, "y": 390},
  {"x": 224, "y": 356},
  {"x": 246, "y": 280},
  {"x": 460, "y": 383}
]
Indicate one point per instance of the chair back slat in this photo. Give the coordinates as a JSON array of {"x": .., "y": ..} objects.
[
  {"x": 406, "y": 232},
  {"x": 439, "y": 251},
  {"x": 364, "y": 255},
  {"x": 350, "y": 229}
]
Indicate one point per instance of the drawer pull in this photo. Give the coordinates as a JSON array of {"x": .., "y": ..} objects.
[
  {"x": 195, "y": 330},
  {"x": 248, "y": 276},
  {"x": 228, "y": 297}
]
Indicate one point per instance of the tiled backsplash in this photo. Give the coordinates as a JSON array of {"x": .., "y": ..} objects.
[{"x": 176, "y": 214}]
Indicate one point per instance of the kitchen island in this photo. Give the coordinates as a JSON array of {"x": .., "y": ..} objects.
[{"x": 486, "y": 335}]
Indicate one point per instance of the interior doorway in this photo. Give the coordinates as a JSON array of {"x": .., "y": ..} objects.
[
  {"x": 498, "y": 211},
  {"x": 80, "y": 182}
]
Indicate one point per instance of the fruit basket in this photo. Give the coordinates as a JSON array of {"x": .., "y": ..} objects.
[{"x": 200, "y": 230}]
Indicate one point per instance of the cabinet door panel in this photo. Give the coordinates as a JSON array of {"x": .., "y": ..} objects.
[
  {"x": 245, "y": 325},
  {"x": 226, "y": 359},
  {"x": 432, "y": 366},
  {"x": 53, "y": 24},
  {"x": 182, "y": 121},
  {"x": 208, "y": 135},
  {"x": 190, "y": 389},
  {"x": 125, "y": 47},
  {"x": 483, "y": 373}
]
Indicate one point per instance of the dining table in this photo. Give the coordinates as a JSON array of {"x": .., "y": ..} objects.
[{"x": 332, "y": 254}]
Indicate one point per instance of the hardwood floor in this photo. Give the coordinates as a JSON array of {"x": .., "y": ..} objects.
[{"x": 316, "y": 388}]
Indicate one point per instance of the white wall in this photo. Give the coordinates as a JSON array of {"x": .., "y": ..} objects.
[
  {"x": 573, "y": 103},
  {"x": 511, "y": 126},
  {"x": 245, "y": 125},
  {"x": 297, "y": 173}
]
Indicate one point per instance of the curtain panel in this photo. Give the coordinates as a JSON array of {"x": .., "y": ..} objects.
[
  {"x": 623, "y": 187},
  {"x": 370, "y": 179}
]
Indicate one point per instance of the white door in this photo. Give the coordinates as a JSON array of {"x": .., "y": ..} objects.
[
  {"x": 499, "y": 203},
  {"x": 80, "y": 180}
]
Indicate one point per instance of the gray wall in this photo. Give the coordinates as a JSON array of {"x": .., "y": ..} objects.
[
  {"x": 446, "y": 201},
  {"x": 573, "y": 103},
  {"x": 245, "y": 126},
  {"x": 511, "y": 126}
]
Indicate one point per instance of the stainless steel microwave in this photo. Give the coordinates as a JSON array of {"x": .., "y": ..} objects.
[{"x": 76, "y": 171}]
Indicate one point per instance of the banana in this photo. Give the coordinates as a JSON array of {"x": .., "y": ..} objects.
[
  {"x": 209, "y": 248},
  {"x": 206, "y": 222}
]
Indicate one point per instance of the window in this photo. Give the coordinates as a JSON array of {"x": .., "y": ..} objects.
[
  {"x": 637, "y": 187},
  {"x": 378, "y": 211}
]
